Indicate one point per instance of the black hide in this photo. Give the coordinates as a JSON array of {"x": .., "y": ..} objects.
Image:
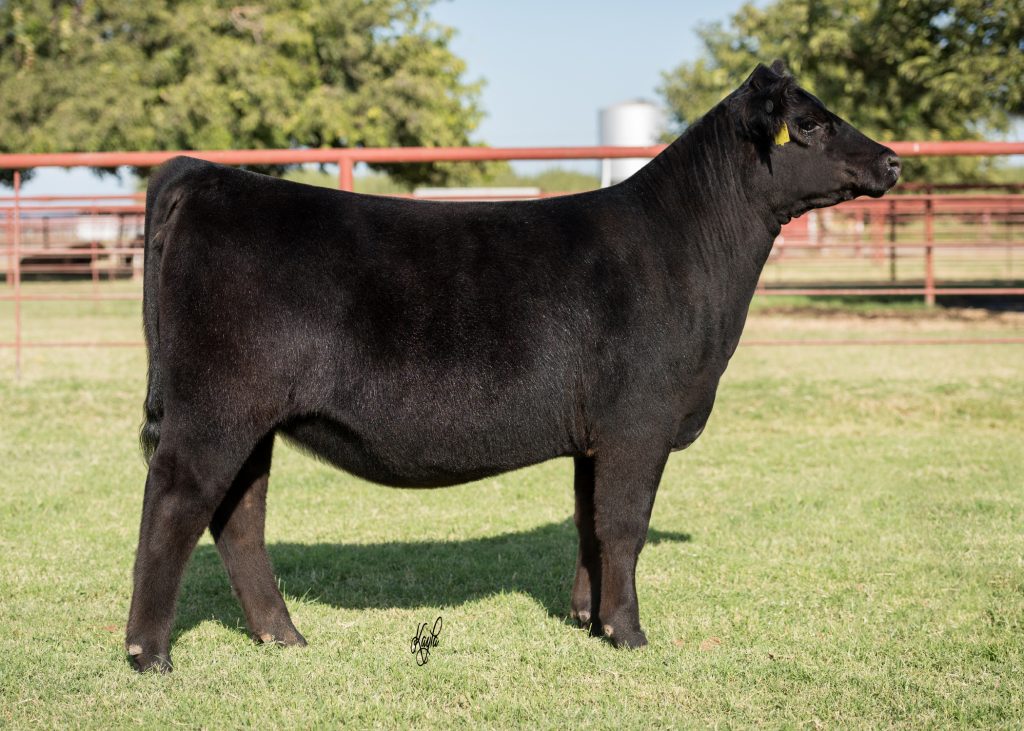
[{"x": 423, "y": 344}]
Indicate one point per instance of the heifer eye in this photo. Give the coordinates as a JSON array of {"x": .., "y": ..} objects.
[{"x": 808, "y": 125}]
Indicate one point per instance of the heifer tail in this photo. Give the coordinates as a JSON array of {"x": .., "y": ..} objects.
[{"x": 161, "y": 199}]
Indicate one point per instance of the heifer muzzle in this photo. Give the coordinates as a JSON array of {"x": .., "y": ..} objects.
[{"x": 883, "y": 173}]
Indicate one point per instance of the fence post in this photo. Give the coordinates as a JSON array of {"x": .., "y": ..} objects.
[
  {"x": 892, "y": 240},
  {"x": 93, "y": 260},
  {"x": 877, "y": 218},
  {"x": 93, "y": 255},
  {"x": 17, "y": 274},
  {"x": 346, "y": 180},
  {"x": 929, "y": 253},
  {"x": 862, "y": 227},
  {"x": 115, "y": 259},
  {"x": 9, "y": 249},
  {"x": 1009, "y": 240}
]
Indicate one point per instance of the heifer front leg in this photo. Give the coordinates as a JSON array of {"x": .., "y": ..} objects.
[
  {"x": 238, "y": 530},
  {"x": 624, "y": 488},
  {"x": 586, "y": 588}
]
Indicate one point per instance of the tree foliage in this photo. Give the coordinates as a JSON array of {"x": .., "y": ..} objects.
[
  {"x": 95, "y": 75},
  {"x": 896, "y": 69}
]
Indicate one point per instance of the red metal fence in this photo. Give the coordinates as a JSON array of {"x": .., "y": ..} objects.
[
  {"x": 915, "y": 244},
  {"x": 934, "y": 241}
]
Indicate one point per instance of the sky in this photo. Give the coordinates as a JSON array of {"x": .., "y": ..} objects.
[{"x": 549, "y": 66}]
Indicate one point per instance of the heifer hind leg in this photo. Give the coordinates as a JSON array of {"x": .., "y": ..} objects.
[
  {"x": 188, "y": 478},
  {"x": 238, "y": 530},
  {"x": 586, "y": 587}
]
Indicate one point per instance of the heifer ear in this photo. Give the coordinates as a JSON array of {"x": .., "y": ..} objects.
[{"x": 760, "y": 107}]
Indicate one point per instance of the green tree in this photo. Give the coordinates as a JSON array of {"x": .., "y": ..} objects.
[
  {"x": 94, "y": 75},
  {"x": 896, "y": 69}
]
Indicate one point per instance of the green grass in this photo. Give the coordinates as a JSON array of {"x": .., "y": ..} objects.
[{"x": 844, "y": 547}]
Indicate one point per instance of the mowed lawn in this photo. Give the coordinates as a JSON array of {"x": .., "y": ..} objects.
[{"x": 844, "y": 547}]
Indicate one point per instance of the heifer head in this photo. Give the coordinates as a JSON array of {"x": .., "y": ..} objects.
[{"x": 809, "y": 157}]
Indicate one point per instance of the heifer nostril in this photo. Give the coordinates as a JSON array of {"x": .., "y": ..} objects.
[{"x": 894, "y": 164}]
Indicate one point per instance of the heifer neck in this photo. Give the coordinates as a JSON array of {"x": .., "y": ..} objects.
[{"x": 708, "y": 190}]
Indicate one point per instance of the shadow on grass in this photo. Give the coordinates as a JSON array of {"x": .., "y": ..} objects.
[
  {"x": 895, "y": 304},
  {"x": 404, "y": 574}
]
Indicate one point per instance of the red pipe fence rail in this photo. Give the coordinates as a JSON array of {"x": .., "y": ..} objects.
[{"x": 62, "y": 234}]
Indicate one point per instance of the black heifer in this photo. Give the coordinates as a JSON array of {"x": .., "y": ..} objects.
[{"x": 424, "y": 344}]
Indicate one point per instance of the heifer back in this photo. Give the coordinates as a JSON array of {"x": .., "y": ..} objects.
[{"x": 427, "y": 344}]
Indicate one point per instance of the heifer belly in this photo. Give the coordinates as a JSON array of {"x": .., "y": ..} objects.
[{"x": 421, "y": 445}]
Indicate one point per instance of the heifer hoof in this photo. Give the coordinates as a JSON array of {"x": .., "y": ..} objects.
[
  {"x": 630, "y": 639},
  {"x": 143, "y": 662},
  {"x": 581, "y": 617},
  {"x": 285, "y": 638}
]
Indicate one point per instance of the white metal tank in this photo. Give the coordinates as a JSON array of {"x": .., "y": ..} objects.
[{"x": 634, "y": 123}]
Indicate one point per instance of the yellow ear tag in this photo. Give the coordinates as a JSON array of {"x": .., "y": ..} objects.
[{"x": 783, "y": 135}]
